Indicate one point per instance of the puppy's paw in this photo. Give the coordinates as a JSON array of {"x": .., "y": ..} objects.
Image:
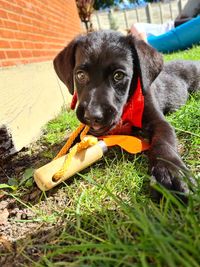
[{"x": 171, "y": 177}]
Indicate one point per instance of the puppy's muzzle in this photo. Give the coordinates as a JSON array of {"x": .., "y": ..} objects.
[
  {"x": 99, "y": 118},
  {"x": 94, "y": 118}
]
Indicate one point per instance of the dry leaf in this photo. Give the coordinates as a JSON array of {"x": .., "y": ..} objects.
[{"x": 5, "y": 243}]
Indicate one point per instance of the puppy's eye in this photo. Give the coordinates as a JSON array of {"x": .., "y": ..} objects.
[
  {"x": 118, "y": 76},
  {"x": 82, "y": 76}
]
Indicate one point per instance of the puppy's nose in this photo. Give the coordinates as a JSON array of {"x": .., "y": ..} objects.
[{"x": 94, "y": 117}]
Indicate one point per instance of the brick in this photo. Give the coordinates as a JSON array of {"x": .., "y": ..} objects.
[
  {"x": 25, "y": 61},
  {"x": 29, "y": 45},
  {"x": 35, "y": 37},
  {"x": 25, "y": 27},
  {"x": 6, "y": 63},
  {"x": 54, "y": 40},
  {"x": 4, "y": 44},
  {"x": 12, "y": 54},
  {"x": 26, "y": 53},
  {"x": 11, "y": 62},
  {"x": 1, "y": 23},
  {"x": 10, "y": 24},
  {"x": 40, "y": 45},
  {"x": 2, "y": 55},
  {"x": 12, "y": 7},
  {"x": 39, "y": 24},
  {"x": 3, "y": 14},
  {"x": 16, "y": 44},
  {"x": 7, "y": 34},
  {"x": 21, "y": 3},
  {"x": 14, "y": 16},
  {"x": 21, "y": 35},
  {"x": 26, "y": 20},
  {"x": 38, "y": 53},
  {"x": 32, "y": 14}
]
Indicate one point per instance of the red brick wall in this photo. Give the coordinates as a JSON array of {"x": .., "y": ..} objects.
[{"x": 35, "y": 30}]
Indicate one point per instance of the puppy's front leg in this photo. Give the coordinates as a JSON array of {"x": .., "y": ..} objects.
[{"x": 165, "y": 162}]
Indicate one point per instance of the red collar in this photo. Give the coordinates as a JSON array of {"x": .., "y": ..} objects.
[
  {"x": 133, "y": 110},
  {"x": 74, "y": 101}
]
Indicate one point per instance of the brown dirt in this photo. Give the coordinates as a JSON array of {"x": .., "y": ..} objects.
[{"x": 20, "y": 224}]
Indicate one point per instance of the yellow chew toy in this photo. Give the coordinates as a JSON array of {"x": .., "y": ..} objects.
[{"x": 82, "y": 155}]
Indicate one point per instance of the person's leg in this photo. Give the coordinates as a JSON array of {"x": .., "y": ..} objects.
[{"x": 144, "y": 30}]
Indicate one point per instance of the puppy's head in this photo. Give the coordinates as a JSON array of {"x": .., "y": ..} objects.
[{"x": 103, "y": 68}]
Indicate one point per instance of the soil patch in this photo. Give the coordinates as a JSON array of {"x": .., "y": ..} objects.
[{"x": 19, "y": 222}]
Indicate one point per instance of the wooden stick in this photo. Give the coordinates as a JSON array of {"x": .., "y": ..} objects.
[{"x": 44, "y": 175}]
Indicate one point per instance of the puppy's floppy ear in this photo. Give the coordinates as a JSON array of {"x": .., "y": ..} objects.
[
  {"x": 149, "y": 62},
  {"x": 64, "y": 64}
]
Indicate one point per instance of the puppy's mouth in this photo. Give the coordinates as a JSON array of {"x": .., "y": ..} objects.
[{"x": 99, "y": 130}]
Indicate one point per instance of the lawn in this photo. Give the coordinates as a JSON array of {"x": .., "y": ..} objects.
[{"x": 104, "y": 216}]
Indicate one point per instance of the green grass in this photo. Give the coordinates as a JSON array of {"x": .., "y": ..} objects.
[
  {"x": 190, "y": 54},
  {"x": 108, "y": 218},
  {"x": 186, "y": 122},
  {"x": 56, "y": 129}
]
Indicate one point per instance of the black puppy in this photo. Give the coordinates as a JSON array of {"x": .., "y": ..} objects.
[{"x": 104, "y": 67}]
